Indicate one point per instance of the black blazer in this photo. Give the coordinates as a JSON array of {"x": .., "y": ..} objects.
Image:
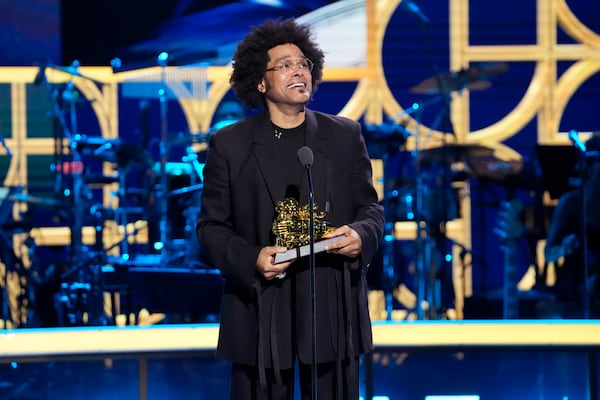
[{"x": 242, "y": 185}]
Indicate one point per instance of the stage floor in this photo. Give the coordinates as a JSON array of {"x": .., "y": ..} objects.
[{"x": 495, "y": 360}]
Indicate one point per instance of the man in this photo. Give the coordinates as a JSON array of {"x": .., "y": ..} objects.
[{"x": 252, "y": 165}]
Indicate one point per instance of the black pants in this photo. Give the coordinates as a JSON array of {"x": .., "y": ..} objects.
[{"x": 332, "y": 383}]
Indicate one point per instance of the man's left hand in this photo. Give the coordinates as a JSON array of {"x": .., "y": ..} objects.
[{"x": 350, "y": 246}]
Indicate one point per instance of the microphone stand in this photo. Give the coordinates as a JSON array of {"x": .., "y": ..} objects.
[
  {"x": 306, "y": 158},
  {"x": 163, "y": 224},
  {"x": 311, "y": 263}
]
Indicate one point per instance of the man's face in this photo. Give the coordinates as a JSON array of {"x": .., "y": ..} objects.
[{"x": 288, "y": 79}]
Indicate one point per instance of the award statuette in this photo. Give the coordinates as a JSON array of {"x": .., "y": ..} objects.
[{"x": 291, "y": 229}]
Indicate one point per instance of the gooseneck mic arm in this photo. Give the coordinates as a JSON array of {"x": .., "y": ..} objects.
[{"x": 306, "y": 158}]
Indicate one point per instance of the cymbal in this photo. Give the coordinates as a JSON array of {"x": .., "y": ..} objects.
[
  {"x": 456, "y": 152},
  {"x": 473, "y": 78},
  {"x": 505, "y": 172}
]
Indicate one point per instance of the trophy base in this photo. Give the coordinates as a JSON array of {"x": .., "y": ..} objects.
[{"x": 302, "y": 251}]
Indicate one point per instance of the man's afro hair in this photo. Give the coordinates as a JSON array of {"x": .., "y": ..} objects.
[{"x": 251, "y": 57}]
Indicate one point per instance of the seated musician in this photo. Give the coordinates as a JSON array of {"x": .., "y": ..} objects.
[{"x": 565, "y": 239}]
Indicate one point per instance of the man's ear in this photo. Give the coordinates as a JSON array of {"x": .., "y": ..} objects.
[{"x": 261, "y": 86}]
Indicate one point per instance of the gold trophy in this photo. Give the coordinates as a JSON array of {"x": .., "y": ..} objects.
[{"x": 291, "y": 229}]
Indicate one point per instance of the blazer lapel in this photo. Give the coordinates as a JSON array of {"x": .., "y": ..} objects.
[
  {"x": 317, "y": 142},
  {"x": 264, "y": 150}
]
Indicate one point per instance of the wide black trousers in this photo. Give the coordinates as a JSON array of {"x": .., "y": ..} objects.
[{"x": 334, "y": 382}]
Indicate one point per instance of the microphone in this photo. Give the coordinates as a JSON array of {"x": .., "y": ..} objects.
[
  {"x": 305, "y": 156},
  {"x": 574, "y": 138},
  {"x": 415, "y": 10}
]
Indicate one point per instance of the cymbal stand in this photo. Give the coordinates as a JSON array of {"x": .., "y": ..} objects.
[
  {"x": 81, "y": 262},
  {"x": 423, "y": 244},
  {"x": 424, "y": 277},
  {"x": 77, "y": 174},
  {"x": 163, "y": 198},
  {"x": 388, "y": 246},
  {"x": 191, "y": 213},
  {"x": 69, "y": 95},
  {"x": 444, "y": 116},
  {"x": 122, "y": 214}
]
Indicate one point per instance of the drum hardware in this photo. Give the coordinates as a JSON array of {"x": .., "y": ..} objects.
[
  {"x": 169, "y": 83},
  {"x": 187, "y": 247},
  {"x": 424, "y": 200},
  {"x": 73, "y": 303},
  {"x": 114, "y": 150},
  {"x": 430, "y": 236},
  {"x": 80, "y": 300},
  {"x": 187, "y": 189},
  {"x": 124, "y": 155},
  {"x": 64, "y": 101},
  {"x": 80, "y": 292},
  {"x": 385, "y": 138},
  {"x": 162, "y": 61}
]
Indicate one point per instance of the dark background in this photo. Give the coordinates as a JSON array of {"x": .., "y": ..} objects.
[{"x": 136, "y": 31}]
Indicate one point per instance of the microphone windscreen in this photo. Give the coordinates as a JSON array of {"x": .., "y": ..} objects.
[{"x": 305, "y": 156}]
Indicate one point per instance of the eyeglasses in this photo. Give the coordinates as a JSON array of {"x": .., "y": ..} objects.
[{"x": 288, "y": 65}]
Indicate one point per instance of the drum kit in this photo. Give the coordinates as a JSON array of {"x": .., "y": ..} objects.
[
  {"x": 420, "y": 187},
  {"x": 159, "y": 196}
]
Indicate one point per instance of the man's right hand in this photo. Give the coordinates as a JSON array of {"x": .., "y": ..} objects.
[{"x": 265, "y": 263}]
